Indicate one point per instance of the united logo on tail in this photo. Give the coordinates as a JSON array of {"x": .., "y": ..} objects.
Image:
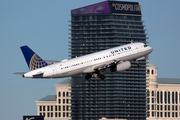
[{"x": 33, "y": 60}]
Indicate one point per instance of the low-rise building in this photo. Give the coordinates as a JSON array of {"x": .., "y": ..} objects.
[
  {"x": 163, "y": 96},
  {"x": 58, "y": 106}
]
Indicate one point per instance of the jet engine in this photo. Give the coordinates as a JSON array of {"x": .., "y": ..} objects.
[{"x": 120, "y": 67}]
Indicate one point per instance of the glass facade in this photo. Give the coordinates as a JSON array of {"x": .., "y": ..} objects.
[{"x": 122, "y": 94}]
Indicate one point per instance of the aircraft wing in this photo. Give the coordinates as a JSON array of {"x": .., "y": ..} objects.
[
  {"x": 100, "y": 67},
  {"x": 104, "y": 66}
]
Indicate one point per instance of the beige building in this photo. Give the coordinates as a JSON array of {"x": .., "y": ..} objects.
[
  {"x": 163, "y": 96},
  {"x": 56, "y": 107}
]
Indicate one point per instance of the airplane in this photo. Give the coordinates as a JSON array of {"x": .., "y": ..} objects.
[{"x": 93, "y": 65}]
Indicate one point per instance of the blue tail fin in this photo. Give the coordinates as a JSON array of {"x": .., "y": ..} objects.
[{"x": 32, "y": 59}]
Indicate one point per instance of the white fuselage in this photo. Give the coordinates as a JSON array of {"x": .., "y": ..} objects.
[{"x": 88, "y": 63}]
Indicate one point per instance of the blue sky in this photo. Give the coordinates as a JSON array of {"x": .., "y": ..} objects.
[{"x": 43, "y": 25}]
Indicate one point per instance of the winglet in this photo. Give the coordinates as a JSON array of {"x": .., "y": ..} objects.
[{"x": 32, "y": 59}]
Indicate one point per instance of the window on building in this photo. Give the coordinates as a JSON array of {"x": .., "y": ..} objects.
[
  {"x": 176, "y": 107},
  {"x": 165, "y": 97},
  {"x": 59, "y": 101},
  {"x": 147, "y": 92},
  {"x": 44, "y": 108},
  {"x": 152, "y": 100},
  {"x": 63, "y": 108},
  {"x": 67, "y": 100},
  {"x": 147, "y": 107},
  {"x": 165, "y": 114},
  {"x": 168, "y": 114},
  {"x": 56, "y": 114},
  {"x": 165, "y": 107},
  {"x": 44, "y": 114},
  {"x": 176, "y": 114},
  {"x": 157, "y": 96},
  {"x": 161, "y": 107},
  {"x": 172, "y": 114},
  {"x": 176, "y": 98},
  {"x": 147, "y": 71},
  {"x": 157, "y": 114},
  {"x": 59, "y": 108},
  {"x": 168, "y": 107},
  {"x": 147, "y": 100},
  {"x": 63, "y": 101},
  {"x": 47, "y": 114},
  {"x": 47, "y": 108},
  {"x": 67, "y": 94},
  {"x": 152, "y": 107},
  {"x": 157, "y": 107},
  {"x": 67, "y": 114},
  {"x": 40, "y": 108},
  {"x": 161, "y": 114},
  {"x": 59, "y": 94},
  {"x": 67, "y": 108},
  {"x": 51, "y": 108},
  {"x": 59, "y": 114},
  {"x": 172, "y": 97},
  {"x": 63, "y": 94},
  {"x": 51, "y": 114},
  {"x": 55, "y": 108},
  {"x": 169, "y": 97},
  {"x": 173, "y": 107},
  {"x": 40, "y": 114},
  {"x": 161, "y": 94},
  {"x": 63, "y": 114},
  {"x": 152, "y": 114},
  {"x": 152, "y": 93},
  {"x": 152, "y": 72},
  {"x": 146, "y": 115}
]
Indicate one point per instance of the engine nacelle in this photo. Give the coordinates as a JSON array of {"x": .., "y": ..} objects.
[{"x": 120, "y": 67}]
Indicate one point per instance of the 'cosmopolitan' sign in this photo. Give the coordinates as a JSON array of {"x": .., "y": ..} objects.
[
  {"x": 126, "y": 7},
  {"x": 122, "y": 7}
]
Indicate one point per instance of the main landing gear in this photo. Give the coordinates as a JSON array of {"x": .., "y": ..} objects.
[{"x": 95, "y": 74}]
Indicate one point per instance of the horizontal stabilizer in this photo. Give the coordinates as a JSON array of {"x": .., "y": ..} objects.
[{"x": 20, "y": 73}]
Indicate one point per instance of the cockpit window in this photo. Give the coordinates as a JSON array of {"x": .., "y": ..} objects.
[{"x": 145, "y": 45}]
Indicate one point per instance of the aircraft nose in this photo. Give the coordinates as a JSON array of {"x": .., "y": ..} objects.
[{"x": 150, "y": 49}]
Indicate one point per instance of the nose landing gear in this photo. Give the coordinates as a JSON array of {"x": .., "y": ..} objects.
[{"x": 138, "y": 64}]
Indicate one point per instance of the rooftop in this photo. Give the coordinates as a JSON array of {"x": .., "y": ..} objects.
[
  {"x": 168, "y": 80},
  {"x": 49, "y": 98}
]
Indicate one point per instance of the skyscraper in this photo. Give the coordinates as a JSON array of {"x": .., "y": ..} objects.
[{"x": 123, "y": 94}]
